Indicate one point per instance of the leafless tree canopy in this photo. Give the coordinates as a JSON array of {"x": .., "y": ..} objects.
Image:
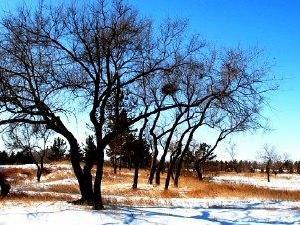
[{"x": 105, "y": 59}]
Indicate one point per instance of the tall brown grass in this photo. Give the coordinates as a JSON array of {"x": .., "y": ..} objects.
[{"x": 119, "y": 185}]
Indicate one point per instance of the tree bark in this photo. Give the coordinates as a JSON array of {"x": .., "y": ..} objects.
[
  {"x": 136, "y": 176},
  {"x": 38, "y": 174},
  {"x": 5, "y": 186},
  {"x": 173, "y": 158},
  {"x": 153, "y": 166},
  {"x": 115, "y": 164},
  {"x": 199, "y": 169},
  {"x": 84, "y": 177},
  {"x": 169, "y": 174},
  {"x": 98, "y": 204},
  {"x": 268, "y": 169}
]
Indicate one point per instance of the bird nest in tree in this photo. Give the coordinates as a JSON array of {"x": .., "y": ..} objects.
[{"x": 169, "y": 89}]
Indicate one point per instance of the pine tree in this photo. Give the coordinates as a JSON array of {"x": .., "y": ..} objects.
[{"x": 58, "y": 149}]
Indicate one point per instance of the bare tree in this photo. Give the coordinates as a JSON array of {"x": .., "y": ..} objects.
[
  {"x": 31, "y": 86},
  {"x": 202, "y": 153},
  {"x": 92, "y": 51},
  {"x": 268, "y": 155},
  {"x": 32, "y": 140},
  {"x": 232, "y": 151},
  {"x": 96, "y": 56}
]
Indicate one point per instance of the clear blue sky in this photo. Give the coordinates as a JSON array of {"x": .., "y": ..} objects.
[{"x": 271, "y": 25}]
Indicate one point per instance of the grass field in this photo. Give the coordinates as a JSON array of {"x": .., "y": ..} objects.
[{"x": 60, "y": 184}]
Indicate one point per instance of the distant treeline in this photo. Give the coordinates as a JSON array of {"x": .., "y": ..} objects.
[
  {"x": 243, "y": 166},
  {"x": 57, "y": 151},
  {"x": 21, "y": 157}
]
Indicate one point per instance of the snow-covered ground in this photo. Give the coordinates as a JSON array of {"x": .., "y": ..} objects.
[
  {"x": 166, "y": 211},
  {"x": 281, "y": 182},
  {"x": 220, "y": 212}
]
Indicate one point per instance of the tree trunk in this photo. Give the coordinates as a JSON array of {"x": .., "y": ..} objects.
[
  {"x": 169, "y": 174},
  {"x": 199, "y": 169},
  {"x": 173, "y": 158},
  {"x": 115, "y": 164},
  {"x": 161, "y": 164},
  {"x": 38, "y": 173},
  {"x": 160, "y": 168},
  {"x": 268, "y": 169},
  {"x": 5, "y": 186},
  {"x": 88, "y": 194},
  {"x": 153, "y": 165},
  {"x": 98, "y": 204},
  {"x": 84, "y": 177},
  {"x": 178, "y": 171},
  {"x": 120, "y": 163},
  {"x": 136, "y": 176},
  {"x": 186, "y": 148}
]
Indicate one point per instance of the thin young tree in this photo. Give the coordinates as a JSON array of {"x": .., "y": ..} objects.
[
  {"x": 202, "y": 154},
  {"x": 232, "y": 151},
  {"x": 33, "y": 140},
  {"x": 269, "y": 156}
]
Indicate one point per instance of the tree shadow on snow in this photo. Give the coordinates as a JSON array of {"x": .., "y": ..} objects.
[{"x": 133, "y": 215}]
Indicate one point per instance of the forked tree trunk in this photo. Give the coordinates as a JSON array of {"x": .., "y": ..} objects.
[
  {"x": 173, "y": 160},
  {"x": 161, "y": 164},
  {"x": 84, "y": 176},
  {"x": 40, "y": 170}
]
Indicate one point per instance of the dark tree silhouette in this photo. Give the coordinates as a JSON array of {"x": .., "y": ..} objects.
[
  {"x": 4, "y": 185},
  {"x": 58, "y": 149},
  {"x": 93, "y": 53},
  {"x": 268, "y": 155},
  {"x": 32, "y": 140}
]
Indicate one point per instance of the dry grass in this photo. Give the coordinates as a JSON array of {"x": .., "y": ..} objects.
[
  {"x": 64, "y": 188},
  {"x": 250, "y": 175},
  {"x": 207, "y": 189},
  {"x": 31, "y": 198},
  {"x": 190, "y": 187},
  {"x": 60, "y": 175},
  {"x": 17, "y": 175},
  {"x": 14, "y": 172},
  {"x": 119, "y": 185}
]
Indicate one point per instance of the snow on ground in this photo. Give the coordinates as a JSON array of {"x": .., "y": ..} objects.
[
  {"x": 166, "y": 211},
  {"x": 23, "y": 166},
  {"x": 221, "y": 212},
  {"x": 281, "y": 182}
]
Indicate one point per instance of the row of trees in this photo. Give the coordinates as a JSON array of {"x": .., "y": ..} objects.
[
  {"x": 241, "y": 166},
  {"x": 154, "y": 87},
  {"x": 27, "y": 154}
]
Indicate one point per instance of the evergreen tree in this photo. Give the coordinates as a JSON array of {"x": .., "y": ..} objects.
[
  {"x": 89, "y": 150},
  {"x": 4, "y": 158},
  {"x": 58, "y": 149}
]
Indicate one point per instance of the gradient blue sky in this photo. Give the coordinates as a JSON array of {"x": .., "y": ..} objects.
[{"x": 271, "y": 25}]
